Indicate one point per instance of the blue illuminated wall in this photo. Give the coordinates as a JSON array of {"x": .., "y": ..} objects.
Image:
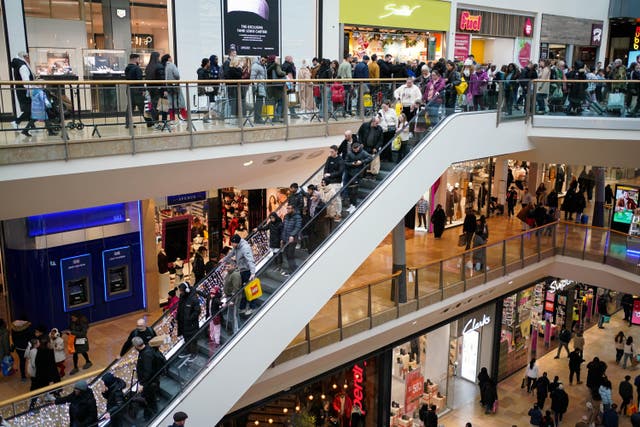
[{"x": 33, "y": 270}]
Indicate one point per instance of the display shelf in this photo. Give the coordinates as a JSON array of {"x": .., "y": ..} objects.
[
  {"x": 101, "y": 63},
  {"x": 51, "y": 62}
]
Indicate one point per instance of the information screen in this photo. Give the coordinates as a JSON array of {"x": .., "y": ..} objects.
[{"x": 625, "y": 203}]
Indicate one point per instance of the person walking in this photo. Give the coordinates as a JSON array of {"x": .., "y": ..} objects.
[
  {"x": 136, "y": 93},
  {"x": 619, "y": 343},
  {"x": 625, "y": 390},
  {"x": 439, "y": 220},
  {"x": 578, "y": 341},
  {"x": 575, "y": 360},
  {"x": 542, "y": 390},
  {"x": 563, "y": 341},
  {"x": 535, "y": 415},
  {"x": 605, "y": 394},
  {"x": 20, "y": 65},
  {"x": 559, "y": 403},
  {"x": 422, "y": 207},
  {"x": 469, "y": 228},
  {"x": 79, "y": 327},
  {"x": 531, "y": 374},
  {"x": 629, "y": 352},
  {"x": 291, "y": 227}
]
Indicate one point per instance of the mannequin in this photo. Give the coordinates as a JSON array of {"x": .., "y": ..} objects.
[
  {"x": 342, "y": 407},
  {"x": 449, "y": 203},
  {"x": 471, "y": 197},
  {"x": 456, "y": 201},
  {"x": 560, "y": 173}
]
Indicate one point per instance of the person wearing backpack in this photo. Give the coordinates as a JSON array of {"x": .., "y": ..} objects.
[
  {"x": 563, "y": 341},
  {"x": 148, "y": 383}
]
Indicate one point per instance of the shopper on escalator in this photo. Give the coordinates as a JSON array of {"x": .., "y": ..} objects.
[
  {"x": 291, "y": 227},
  {"x": 357, "y": 159},
  {"x": 246, "y": 265},
  {"x": 188, "y": 315},
  {"x": 83, "y": 411}
]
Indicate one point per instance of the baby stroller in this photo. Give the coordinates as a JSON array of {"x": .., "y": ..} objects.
[
  {"x": 495, "y": 207},
  {"x": 53, "y": 112}
]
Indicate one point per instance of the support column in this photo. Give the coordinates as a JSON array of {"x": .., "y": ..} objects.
[
  {"x": 598, "y": 208},
  {"x": 399, "y": 262},
  {"x": 152, "y": 279},
  {"x": 116, "y": 15},
  {"x": 499, "y": 188},
  {"x": 533, "y": 177},
  {"x": 15, "y": 38}
]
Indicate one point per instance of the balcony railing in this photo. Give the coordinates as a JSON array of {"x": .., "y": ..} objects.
[{"x": 375, "y": 303}]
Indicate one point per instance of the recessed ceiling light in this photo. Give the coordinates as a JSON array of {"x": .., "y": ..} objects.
[
  {"x": 249, "y": 163},
  {"x": 271, "y": 159},
  {"x": 315, "y": 154},
  {"x": 294, "y": 157}
]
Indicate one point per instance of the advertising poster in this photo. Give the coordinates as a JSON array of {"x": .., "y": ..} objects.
[
  {"x": 414, "y": 384},
  {"x": 76, "y": 281},
  {"x": 522, "y": 51},
  {"x": 635, "y": 317},
  {"x": 626, "y": 202},
  {"x": 117, "y": 282},
  {"x": 252, "y": 27},
  {"x": 461, "y": 46}
]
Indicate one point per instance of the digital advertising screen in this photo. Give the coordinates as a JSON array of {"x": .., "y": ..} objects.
[
  {"x": 626, "y": 202},
  {"x": 252, "y": 27}
]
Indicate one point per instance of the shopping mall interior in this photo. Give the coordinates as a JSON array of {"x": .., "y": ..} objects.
[{"x": 380, "y": 303}]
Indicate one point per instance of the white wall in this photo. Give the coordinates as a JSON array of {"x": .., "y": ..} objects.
[
  {"x": 299, "y": 29},
  {"x": 330, "y": 30},
  {"x": 436, "y": 362},
  {"x": 198, "y": 34}
]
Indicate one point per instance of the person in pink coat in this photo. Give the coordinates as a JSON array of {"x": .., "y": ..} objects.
[{"x": 477, "y": 87}]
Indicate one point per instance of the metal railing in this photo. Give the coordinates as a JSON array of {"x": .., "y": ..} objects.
[{"x": 374, "y": 303}]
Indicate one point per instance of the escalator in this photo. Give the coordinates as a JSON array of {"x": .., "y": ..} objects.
[{"x": 206, "y": 385}]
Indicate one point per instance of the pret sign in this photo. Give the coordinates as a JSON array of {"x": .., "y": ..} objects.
[
  {"x": 469, "y": 22},
  {"x": 596, "y": 34},
  {"x": 528, "y": 27}
]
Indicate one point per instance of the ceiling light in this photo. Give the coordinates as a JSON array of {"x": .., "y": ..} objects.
[
  {"x": 295, "y": 156},
  {"x": 249, "y": 163},
  {"x": 285, "y": 410}
]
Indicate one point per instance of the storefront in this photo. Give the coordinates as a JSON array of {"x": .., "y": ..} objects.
[
  {"x": 532, "y": 318},
  {"x": 87, "y": 261},
  {"x": 570, "y": 39},
  {"x": 493, "y": 37},
  {"x": 394, "y": 382},
  {"x": 414, "y": 30}
]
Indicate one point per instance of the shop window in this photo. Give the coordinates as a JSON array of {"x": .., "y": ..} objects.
[
  {"x": 149, "y": 25},
  {"x": 94, "y": 25},
  {"x": 60, "y": 9}
]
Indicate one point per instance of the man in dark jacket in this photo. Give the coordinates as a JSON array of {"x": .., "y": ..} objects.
[
  {"x": 356, "y": 160},
  {"x": 575, "y": 360},
  {"x": 134, "y": 72},
  {"x": 625, "y": 389},
  {"x": 198, "y": 263},
  {"x": 289, "y": 68},
  {"x": 114, "y": 395},
  {"x": 333, "y": 167},
  {"x": 146, "y": 371},
  {"x": 542, "y": 390},
  {"x": 291, "y": 227},
  {"x": 559, "y": 403},
  {"x": 370, "y": 135},
  {"x": 296, "y": 198},
  {"x": 188, "y": 314},
  {"x": 143, "y": 331},
  {"x": 21, "y": 73},
  {"x": 469, "y": 228},
  {"x": 274, "y": 226},
  {"x": 428, "y": 416},
  {"x": 83, "y": 411}
]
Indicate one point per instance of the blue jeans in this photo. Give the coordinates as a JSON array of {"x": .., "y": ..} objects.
[{"x": 541, "y": 100}]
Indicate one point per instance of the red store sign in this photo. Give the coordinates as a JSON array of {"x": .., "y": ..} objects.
[
  {"x": 358, "y": 390},
  {"x": 469, "y": 22},
  {"x": 528, "y": 27}
]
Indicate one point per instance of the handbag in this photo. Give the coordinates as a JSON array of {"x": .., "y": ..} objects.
[
  {"x": 615, "y": 101},
  {"x": 80, "y": 341},
  {"x": 316, "y": 91},
  {"x": 71, "y": 343},
  {"x": 461, "y": 87},
  {"x": 462, "y": 240},
  {"x": 606, "y": 319},
  {"x": 374, "y": 166},
  {"x": 396, "y": 144},
  {"x": 632, "y": 409},
  {"x": 163, "y": 105},
  {"x": 398, "y": 108},
  {"x": 253, "y": 290},
  {"x": 293, "y": 99},
  {"x": 7, "y": 365},
  {"x": 367, "y": 101}
]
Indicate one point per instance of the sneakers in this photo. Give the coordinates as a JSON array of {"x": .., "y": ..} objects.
[
  {"x": 25, "y": 132},
  {"x": 351, "y": 209},
  {"x": 183, "y": 356},
  {"x": 73, "y": 371},
  {"x": 87, "y": 365},
  {"x": 248, "y": 312}
]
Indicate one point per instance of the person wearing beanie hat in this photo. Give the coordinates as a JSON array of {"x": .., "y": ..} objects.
[
  {"x": 114, "y": 395},
  {"x": 179, "y": 419},
  {"x": 83, "y": 411}
]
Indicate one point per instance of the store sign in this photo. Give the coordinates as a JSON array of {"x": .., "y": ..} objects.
[
  {"x": 414, "y": 386},
  {"x": 528, "y": 27},
  {"x": 252, "y": 28},
  {"x": 559, "y": 285},
  {"x": 469, "y": 22},
  {"x": 121, "y": 13},
  {"x": 358, "y": 389},
  {"x": 596, "y": 34},
  {"x": 474, "y": 324},
  {"x": 461, "y": 46},
  {"x": 186, "y": 198},
  {"x": 636, "y": 39},
  {"x": 635, "y": 317},
  {"x": 399, "y": 10}
]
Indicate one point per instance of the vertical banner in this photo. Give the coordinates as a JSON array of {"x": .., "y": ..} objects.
[
  {"x": 414, "y": 384},
  {"x": 635, "y": 316},
  {"x": 522, "y": 51},
  {"x": 252, "y": 27},
  {"x": 461, "y": 46}
]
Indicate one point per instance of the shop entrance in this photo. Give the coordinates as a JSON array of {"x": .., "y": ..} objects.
[
  {"x": 557, "y": 51},
  {"x": 492, "y": 50},
  {"x": 468, "y": 357}
]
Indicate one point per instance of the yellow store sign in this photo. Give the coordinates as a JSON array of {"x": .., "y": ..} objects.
[{"x": 427, "y": 15}]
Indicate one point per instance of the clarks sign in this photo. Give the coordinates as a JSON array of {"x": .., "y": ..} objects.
[{"x": 474, "y": 324}]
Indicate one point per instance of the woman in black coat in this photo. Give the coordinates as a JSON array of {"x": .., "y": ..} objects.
[
  {"x": 46, "y": 369},
  {"x": 439, "y": 219},
  {"x": 79, "y": 327}
]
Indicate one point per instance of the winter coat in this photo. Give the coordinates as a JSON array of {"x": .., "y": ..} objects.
[
  {"x": 144, "y": 366},
  {"x": 469, "y": 225},
  {"x": 79, "y": 328},
  {"x": 232, "y": 283},
  {"x": 535, "y": 416},
  {"x": 559, "y": 401},
  {"x": 244, "y": 257},
  {"x": 5, "y": 346},
  {"x": 625, "y": 390},
  {"x": 46, "y": 370},
  {"x": 335, "y": 168},
  {"x": 297, "y": 201},
  {"x": 291, "y": 226},
  {"x": 575, "y": 360},
  {"x": 274, "y": 72},
  {"x": 478, "y": 83},
  {"x": 83, "y": 411},
  {"x": 605, "y": 395},
  {"x": 352, "y": 169},
  {"x": 21, "y": 333},
  {"x": 259, "y": 72},
  {"x": 39, "y": 105},
  {"x": 434, "y": 91},
  {"x": 146, "y": 336},
  {"x": 363, "y": 137},
  {"x": 274, "y": 226},
  {"x": 188, "y": 314},
  {"x": 175, "y": 96},
  {"x": 114, "y": 394}
]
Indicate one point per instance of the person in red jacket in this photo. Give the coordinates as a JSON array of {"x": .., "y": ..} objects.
[{"x": 342, "y": 406}]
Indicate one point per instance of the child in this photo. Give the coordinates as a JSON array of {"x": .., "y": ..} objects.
[
  {"x": 57, "y": 345},
  {"x": 39, "y": 105}
]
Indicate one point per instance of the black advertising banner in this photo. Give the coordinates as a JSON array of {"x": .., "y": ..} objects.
[{"x": 252, "y": 27}]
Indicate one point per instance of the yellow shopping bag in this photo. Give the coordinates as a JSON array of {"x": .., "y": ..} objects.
[
  {"x": 398, "y": 108},
  {"x": 367, "y": 101},
  {"x": 253, "y": 290},
  {"x": 268, "y": 111}
]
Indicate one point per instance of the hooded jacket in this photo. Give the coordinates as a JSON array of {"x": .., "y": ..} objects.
[
  {"x": 82, "y": 408},
  {"x": 275, "y": 230}
]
